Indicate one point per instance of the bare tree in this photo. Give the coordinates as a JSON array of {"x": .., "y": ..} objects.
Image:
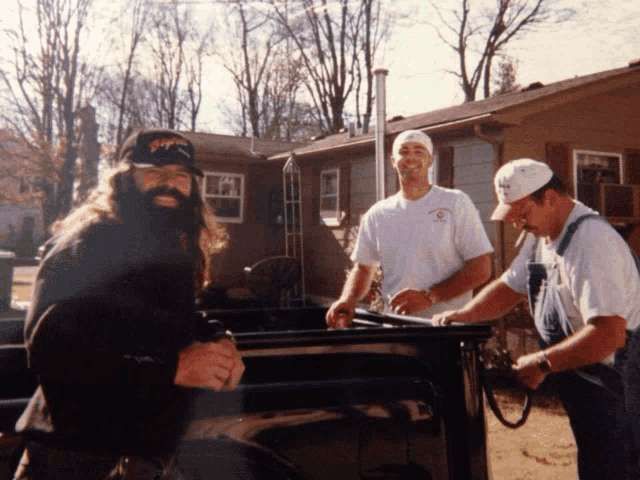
[
  {"x": 324, "y": 44},
  {"x": 479, "y": 35},
  {"x": 168, "y": 35},
  {"x": 248, "y": 57},
  {"x": 373, "y": 27},
  {"x": 336, "y": 42},
  {"x": 177, "y": 51},
  {"x": 139, "y": 15},
  {"x": 194, "y": 71},
  {"x": 267, "y": 79},
  {"x": 42, "y": 95}
]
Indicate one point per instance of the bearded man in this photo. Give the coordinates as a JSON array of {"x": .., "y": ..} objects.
[{"x": 112, "y": 332}]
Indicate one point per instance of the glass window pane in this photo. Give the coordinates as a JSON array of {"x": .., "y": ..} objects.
[
  {"x": 225, "y": 207},
  {"x": 329, "y": 203},
  {"x": 329, "y": 183},
  {"x": 211, "y": 185},
  {"x": 598, "y": 168}
]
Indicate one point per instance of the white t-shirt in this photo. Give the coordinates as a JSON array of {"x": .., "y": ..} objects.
[
  {"x": 597, "y": 272},
  {"x": 420, "y": 243}
]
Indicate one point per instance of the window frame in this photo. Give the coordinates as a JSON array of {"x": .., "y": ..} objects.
[
  {"x": 240, "y": 197},
  {"x": 337, "y": 218},
  {"x": 577, "y": 152}
]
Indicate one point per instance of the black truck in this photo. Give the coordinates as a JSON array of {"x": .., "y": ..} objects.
[{"x": 390, "y": 398}]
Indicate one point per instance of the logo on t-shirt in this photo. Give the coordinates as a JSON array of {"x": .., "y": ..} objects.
[{"x": 440, "y": 214}]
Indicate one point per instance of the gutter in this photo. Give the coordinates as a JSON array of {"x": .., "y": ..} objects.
[{"x": 466, "y": 122}]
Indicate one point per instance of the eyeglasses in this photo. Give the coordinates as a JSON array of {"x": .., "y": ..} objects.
[{"x": 520, "y": 216}]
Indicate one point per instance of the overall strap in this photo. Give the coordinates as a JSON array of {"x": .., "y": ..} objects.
[{"x": 571, "y": 229}]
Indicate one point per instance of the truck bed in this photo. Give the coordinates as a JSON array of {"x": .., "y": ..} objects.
[{"x": 392, "y": 397}]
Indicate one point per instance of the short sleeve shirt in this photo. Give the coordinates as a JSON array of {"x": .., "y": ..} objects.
[
  {"x": 421, "y": 243},
  {"x": 597, "y": 272}
]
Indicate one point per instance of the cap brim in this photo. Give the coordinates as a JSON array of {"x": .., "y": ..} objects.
[{"x": 501, "y": 211}]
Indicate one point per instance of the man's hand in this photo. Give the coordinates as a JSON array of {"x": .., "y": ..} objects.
[
  {"x": 215, "y": 365},
  {"x": 528, "y": 370},
  {"x": 340, "y": 314},
  {"x": 409, "y": 300},
  {"x": 450, "y": 316}
]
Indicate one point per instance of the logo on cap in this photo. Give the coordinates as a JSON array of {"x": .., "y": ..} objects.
[
  {"x": 167, "y": 143},
  {"x": 504, "y": 187}
]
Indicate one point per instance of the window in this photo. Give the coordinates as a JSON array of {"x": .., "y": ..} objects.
[
  {"x": 224, "y": 192},
  {"x": 330, "y": 197},
  {"x": 598, "y": 167},
  {"x": 600, "y": 184}
]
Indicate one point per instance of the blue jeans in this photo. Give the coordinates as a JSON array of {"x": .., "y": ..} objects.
[{"x": 600, "y": 423}]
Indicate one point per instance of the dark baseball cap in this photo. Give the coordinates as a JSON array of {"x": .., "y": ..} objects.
[{"x": 159, "y": 147}]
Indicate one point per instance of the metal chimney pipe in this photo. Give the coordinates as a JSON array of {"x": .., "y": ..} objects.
[{"x": 381, "y": 128}]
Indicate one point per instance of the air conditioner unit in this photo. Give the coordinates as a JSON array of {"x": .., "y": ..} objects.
[{"x": 614, "y": 201}]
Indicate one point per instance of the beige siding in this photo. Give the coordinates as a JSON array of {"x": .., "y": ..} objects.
[
  {"x": 607, "y": 123},
  {"x": 473, "y": 163}
]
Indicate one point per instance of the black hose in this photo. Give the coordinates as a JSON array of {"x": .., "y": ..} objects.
[{"x": 505, "y": 369}]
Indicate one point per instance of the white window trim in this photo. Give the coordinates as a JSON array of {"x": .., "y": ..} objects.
[
  {"x": 339, "y": 215},
  {"x": 595, "y": 152},
  {"x": 240, "y": 197}
]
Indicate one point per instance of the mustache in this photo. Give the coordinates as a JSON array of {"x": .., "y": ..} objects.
[{"x": 150, "y": 194}]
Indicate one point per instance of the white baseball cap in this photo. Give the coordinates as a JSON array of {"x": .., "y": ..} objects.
[
  {"x": 517, "y": 179},
  {"x": 411, "y": 136}
]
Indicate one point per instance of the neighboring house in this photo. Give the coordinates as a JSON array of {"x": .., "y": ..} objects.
[
  {"x": 246, "y": 193},
  {"x": 21, "y": 214},
  {"x": 587, "y": 128}
]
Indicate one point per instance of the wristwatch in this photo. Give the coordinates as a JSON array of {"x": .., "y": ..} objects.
[{"x": 544, "y": 364}]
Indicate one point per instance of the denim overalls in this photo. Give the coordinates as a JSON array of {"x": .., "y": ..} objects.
[{"x": 593, "y": 396}]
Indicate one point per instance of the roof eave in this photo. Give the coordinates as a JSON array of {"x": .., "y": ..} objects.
[{"x": 429, "y": 129}]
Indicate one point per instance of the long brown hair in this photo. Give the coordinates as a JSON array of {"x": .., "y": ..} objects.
[{"x": 104, "y": 204}]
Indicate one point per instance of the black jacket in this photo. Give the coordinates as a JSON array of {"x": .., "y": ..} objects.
[{"x": 111, "y": 308}]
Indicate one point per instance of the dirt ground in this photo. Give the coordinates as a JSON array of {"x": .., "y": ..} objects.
[{"x": 542, "y": 449}]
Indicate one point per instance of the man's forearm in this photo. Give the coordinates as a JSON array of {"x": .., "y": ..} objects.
[
  {"x": 473, "y": 273},
  {"x": 493, "y": 301},
  {"x": 591, "y": 344},
  {"x": 358, "y": 283}
]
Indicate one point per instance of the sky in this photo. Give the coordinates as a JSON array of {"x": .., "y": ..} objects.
[
  {"x": 605, "y": 34},
  {"x": 600, "y": 38}
]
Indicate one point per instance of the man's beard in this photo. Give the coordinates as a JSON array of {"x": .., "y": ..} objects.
[{"x": 139, "y": 209}]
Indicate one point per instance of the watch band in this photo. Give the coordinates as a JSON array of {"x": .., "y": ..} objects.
[{"x": 544, "y": 364}]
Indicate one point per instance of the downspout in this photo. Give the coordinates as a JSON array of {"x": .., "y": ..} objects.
[
  {"x": 497, "y": 162},
  {"x": 381, "y": 128}
]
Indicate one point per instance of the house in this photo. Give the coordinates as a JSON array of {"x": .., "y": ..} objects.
[
  {"x": 21, "y": 212},
  {"x": 587, "y": 128},
  {"x": 245, "y": 190}
]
